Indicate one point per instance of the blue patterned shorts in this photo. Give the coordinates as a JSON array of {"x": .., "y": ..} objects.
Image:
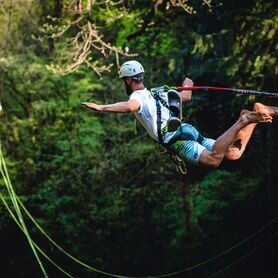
[{"x": 188, "y": 144}]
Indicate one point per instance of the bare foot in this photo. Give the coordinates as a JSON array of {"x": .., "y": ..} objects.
[
  {"x": 271, "y": 110},
  {"x": 248, "y": 117}
]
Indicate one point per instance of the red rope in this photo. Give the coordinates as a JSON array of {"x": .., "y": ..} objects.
[{"x": 237, "y": 91}]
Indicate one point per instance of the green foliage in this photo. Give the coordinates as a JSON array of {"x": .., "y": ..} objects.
[{"x": 219, "y": 194}]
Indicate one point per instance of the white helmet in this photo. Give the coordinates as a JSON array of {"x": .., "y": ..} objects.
[{"x": 130, "y": 68}]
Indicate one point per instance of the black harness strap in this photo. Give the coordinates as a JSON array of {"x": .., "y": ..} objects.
[
  {"x": 180, "y": 164},
  {"x": 159, "y": 100}
]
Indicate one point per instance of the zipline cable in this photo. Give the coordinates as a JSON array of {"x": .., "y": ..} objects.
[
  {"x": 36, "y": 246},
  {"x": 244, "y": 256},
  {"x": 15, "y": 200},
  {"x": 103, "y": 272},
  {"x": 165, "y": 275},
  {"x": 62, "y": 249},
  {"x": 215, "y": 257},
  {"x": 4, "y": 172}
]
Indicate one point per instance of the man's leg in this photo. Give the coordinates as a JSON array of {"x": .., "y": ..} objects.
[
  {"x": 247, "y": 121},
  {"x": 237, "y": 148}
]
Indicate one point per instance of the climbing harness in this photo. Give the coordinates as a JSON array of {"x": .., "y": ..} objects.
[
  {"x": 180, "y": 164},
  {"x": 158, "y": 100},
  {"x": 174, "y": 121}
]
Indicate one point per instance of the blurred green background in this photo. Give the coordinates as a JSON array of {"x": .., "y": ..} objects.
[{"x": 95, "y": 182}]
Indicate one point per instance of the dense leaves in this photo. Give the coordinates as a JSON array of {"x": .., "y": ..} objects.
[{"x": 95, "y": 182}]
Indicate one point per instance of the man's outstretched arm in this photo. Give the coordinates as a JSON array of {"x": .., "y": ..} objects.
[{"x": 119, "y": 107}]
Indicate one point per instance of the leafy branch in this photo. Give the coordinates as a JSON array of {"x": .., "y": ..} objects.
[
  {"x": 87, "y": 40},
  {"x": 81, "y": 18}
]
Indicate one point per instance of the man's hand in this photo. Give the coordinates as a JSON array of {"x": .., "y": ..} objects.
[
  {"x": 187, "y": 82},
  {"x": 92, "y": 106},
  {"x": 186, "y": 95}
]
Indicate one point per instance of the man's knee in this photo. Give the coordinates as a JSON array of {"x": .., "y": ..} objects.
[
  {"x": 215, "y": 162},
  {"x": 210, "y": 159},
  {"x": 234, "y": 153}
]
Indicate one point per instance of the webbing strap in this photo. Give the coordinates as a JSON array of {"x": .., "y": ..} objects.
[
  {"x": 158, "y": 100},
  {"x": 180, "y": 164},
  {"x": 158, "y": 122}
]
